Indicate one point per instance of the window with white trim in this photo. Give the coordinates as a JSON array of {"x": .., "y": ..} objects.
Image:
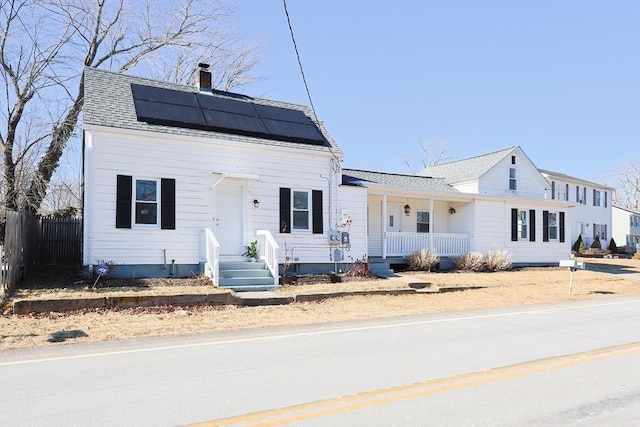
[
  {"x": 146, "y": 202},
  {"x": 422, "y": 224},
  {"x": 600, "y": 231},
  {"x": 522, "y": 225},
  {"x": 512, "y": 179},
  {"x": 561, "y": 192},
  {"x": 553, "y": 225},
  {"x": 300, "y": 209},
  {"x": 597, "y": 198}
]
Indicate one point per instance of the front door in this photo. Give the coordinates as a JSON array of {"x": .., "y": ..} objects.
[
  {"x": 228, "y": 217},
  {"x": 394, "y": 217}
]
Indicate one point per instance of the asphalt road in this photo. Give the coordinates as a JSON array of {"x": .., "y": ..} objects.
[{"x": 562, "y": 364}]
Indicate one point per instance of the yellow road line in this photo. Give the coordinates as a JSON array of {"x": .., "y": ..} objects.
[{"x": 332, "y": 406}]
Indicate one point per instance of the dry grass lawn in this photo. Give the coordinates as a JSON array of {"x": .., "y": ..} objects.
[{"x": 513, "y": 288}]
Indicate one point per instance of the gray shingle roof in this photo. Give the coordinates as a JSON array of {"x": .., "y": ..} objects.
[
  {"x": 405, "y": 182},
  {"x": 466, "y": 169},
  {"x": 108, "y": 102},
  {"x": 550, "y": 174}
]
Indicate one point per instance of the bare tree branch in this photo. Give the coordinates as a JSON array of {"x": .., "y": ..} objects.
[
  {"x": 432, "y": 154},
  {"x": 45, "y": 44}
]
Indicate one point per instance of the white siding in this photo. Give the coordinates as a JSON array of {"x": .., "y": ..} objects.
[
  {"x": 530, "y": 183},
  {"x": 192, "y": 163},
  {"x": 493, "y": 232},
  {"x": 354, "y": 200}
]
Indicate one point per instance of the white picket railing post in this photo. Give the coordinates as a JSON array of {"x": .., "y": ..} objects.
[{"x": 268, "y": 252}]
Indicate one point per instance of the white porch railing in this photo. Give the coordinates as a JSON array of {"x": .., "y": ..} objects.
[
  {"x": 268, "y": 252},
  {"x": 444, "y": 244},
  {"x": 211, "y": 255}
]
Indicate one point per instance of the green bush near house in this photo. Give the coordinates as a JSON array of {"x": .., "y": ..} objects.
[
  {"x": 596, "y": 243},
  {"x": 578, "y": 246},
  {"x": 613, "y": 248}
]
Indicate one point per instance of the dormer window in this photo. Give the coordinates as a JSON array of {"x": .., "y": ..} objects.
[{"x": 512, "y": 179}]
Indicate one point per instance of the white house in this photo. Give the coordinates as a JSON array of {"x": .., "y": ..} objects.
[
  {"x": 591, "y": 212},
  {"x": 180, "y": 179},
  {"x": 497, "y": 201},
  {"x": 626, "y": 228}
]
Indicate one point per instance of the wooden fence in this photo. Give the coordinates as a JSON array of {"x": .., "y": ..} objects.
[{"x": 31, "y": 240}]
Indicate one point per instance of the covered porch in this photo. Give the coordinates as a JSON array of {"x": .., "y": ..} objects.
[{"x": 400, "y": 226}]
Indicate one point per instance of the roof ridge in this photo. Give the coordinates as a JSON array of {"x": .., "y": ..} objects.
[{"x": 474, "y": 157}]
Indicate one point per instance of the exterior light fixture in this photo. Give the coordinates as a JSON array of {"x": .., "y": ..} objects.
[
  {"x": 256, "y": 203},
  {"x": 407, "y": 209}
]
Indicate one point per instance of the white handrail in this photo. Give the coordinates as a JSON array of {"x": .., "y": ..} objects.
[
  {"x": 444, "y": 244},
  {"x": 211, "y": 255},
  {"x": 268, "y": 252}
]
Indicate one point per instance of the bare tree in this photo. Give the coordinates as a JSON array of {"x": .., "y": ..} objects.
[
  {"x": 431, "y": 154},
  {"x": 45, "y": 44},
  {"x": 627, "y": 194}
]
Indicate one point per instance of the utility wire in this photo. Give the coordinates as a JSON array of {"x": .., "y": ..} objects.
[{"x": 304, "y": 79}]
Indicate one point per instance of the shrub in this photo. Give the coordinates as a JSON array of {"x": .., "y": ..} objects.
[
  {"x": 497, "y": 260},
  {"x": 423, "y": 260},
  {"x": 471, "y": 261},
  {"x": 578, "y": 244},
  {"x": 613, "y": 248},
  {"x": 596, "y": 244}
]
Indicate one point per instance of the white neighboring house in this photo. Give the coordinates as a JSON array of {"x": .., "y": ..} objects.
[
  {"x": 496, "y": 201},
  {"x": 179, "y": 179},
  {"x": 626, "y": 228},
  {"x": 591, "y": 213}
]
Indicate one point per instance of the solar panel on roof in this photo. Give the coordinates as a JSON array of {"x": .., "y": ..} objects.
[
  {"x": 228, "y": 105},
  {"x": 295, "y": 131},
  {"x": 170, "y": 115},
  {"x": 164, "y": 96},
  {"x": 220, "y": 120},
  {"x": 282, "y": 114},
  {"x": 223, "y": 114}
]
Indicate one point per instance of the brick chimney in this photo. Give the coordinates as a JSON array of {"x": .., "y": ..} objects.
[{"x": 203, "y": 79}]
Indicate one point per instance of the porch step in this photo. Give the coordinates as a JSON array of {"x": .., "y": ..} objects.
[{"x": 245, "y": 276}]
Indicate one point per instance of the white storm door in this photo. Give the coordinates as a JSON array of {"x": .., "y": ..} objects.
[{"x": 228, "y": 218}]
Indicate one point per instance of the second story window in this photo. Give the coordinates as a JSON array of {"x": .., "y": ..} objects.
[{"x": 512, "y": 179}]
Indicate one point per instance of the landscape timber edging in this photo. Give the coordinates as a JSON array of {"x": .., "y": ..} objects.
[{"x": 26, "y": 306}]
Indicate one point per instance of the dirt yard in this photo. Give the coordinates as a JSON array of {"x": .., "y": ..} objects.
[{"x": 504, "y": 289}]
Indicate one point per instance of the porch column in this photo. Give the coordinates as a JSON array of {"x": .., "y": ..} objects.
[
  {"x": 432, "y": 220},
  {"x": 384, "y": 226}
]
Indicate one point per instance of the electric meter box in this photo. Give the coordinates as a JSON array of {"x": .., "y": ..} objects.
[{"x": 346, "y": 217}]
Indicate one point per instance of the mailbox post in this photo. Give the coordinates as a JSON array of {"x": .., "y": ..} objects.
[{"x": 573, "y": 265}]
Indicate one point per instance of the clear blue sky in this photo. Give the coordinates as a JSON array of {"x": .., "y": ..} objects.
[{"x": 561, "y": 79}]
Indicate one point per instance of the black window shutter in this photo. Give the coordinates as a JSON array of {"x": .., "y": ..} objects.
[
  {"x": 577, "y": 194},
  {"x": 123, "y": 201},
  {"x": 562, "y": 226},
  {"x": 514, "y": 225},
  {"x": 285, "y": 210},
  {"x": 168, "y": 204},
  {"x": 553, "y": 190},
  {"x": 566, "y": 192},
  {"x": 605, "y": 199},
  {"x": 532, "y": 225},
  {"x": 316, "y": 201},
  {"x": 594, "y": 197},
  {"x": 545, "y": 226}
]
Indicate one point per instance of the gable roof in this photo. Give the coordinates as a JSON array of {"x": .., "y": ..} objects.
[
  {"x": 548, "y": 174},
  {"x": 109, "y": 101},
  {"x": 468, "y": 169},
  {"x": 405, "y": 182}
]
